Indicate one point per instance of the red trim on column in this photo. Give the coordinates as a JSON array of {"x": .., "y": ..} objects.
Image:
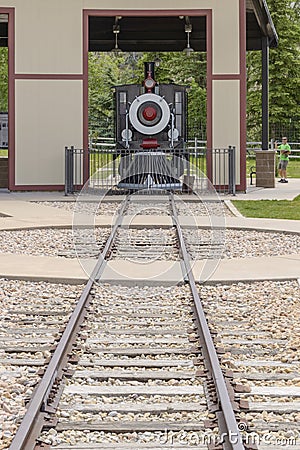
[
  {"x": 85, "y": 49},
  {"x": 12, "y": 76},
  {"x": 226, "y": 76},
  {"x": 209, "y": 108},
  {"x": 48, "y": 76},
  {"x": 11, "y": 94},
  {"x": 241, "y": 77},
  {"x": 39, "y": 187},
  {"x": 243, "y": 97},
  {"x": 146, "y": 12}
]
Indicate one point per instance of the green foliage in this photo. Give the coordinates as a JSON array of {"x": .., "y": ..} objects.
[
  {"x": 284, "y": 79},
  {"x": 285, "y": 64},
  {"x": 3, "y": 79},
  {"x": 107, "y": 70},
  {"x": 270, "y": 209},
  {"x": 190, "y": 71}
]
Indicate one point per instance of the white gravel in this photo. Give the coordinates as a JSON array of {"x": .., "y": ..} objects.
[
  {"x": 149, "y": 243},
  {"x": 203, "y": 208},
  {"x": 104, "y": 209},
  {"x": 145, "y": 244},
  {"x": 261, "y": 320},
  {"x": 270, "y": 310},
  {"x": 53, "y": 242},
  {"x": 237, "y": 243},
  {"x": 17, "y": 382},
  {"x": 148, "y": 207},
  {"x": 142, "y": 302}
]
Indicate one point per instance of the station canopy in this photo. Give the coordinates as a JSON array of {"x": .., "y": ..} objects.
[{"x": 157, "y": 33}]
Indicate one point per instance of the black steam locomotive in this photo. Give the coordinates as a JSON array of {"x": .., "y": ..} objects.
[{"x": 151, "y": 133}]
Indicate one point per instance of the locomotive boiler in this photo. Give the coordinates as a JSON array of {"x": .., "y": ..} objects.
[{"x": 151, "y": 133}]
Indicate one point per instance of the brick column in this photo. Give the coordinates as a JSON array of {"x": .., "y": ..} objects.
[
  {"x": 265, "y": 168},
  {"x": 3, "y": 172}
]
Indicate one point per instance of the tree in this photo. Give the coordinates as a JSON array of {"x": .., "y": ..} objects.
[
  {"x": 284, "y": 80},
  {"x": 104, "y": 73},
  {"x": 3, "y": 79},
  {"x": 178, "y": 68},
  {"x": 108, "y": 69}
]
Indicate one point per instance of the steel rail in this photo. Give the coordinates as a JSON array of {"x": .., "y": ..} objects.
[
  {"x": 32, "y": 422},
  {"x": 229, "y": 430}
]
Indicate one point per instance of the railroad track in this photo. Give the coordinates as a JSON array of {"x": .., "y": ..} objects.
[
  {"x": 137, "y": 367},
  {"x": 260, "y": 340},
  {"x": 33, "y": 316}
]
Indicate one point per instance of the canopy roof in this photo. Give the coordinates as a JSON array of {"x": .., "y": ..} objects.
[
  {"x": 158, "y": 33},
  {"x": 168, "y": 33}
]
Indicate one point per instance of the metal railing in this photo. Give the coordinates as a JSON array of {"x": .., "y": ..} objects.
[
  {"x": 73, "y": 169},
  {"x": 195, "y": 169},
  {"x": 253, "y": 147},
  {"x": 200, "y": 145}
]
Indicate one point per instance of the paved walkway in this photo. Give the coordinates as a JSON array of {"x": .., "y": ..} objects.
[
  {"x": 17, "y": 211},
  {"x": 282, "y": 191}
]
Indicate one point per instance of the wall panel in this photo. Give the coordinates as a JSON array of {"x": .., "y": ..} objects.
[
  {"x": 226, "y": 57},
  {"x": 48, "y": 43},
  {"x": 226, "y": 118},
  {"x": 48, "y": 117},
  {"x": 48, "y": 36}
]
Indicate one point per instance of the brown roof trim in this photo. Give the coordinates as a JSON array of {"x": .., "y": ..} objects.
[{"x": 265, "y": 22}]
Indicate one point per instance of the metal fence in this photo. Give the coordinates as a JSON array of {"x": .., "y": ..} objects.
[
  {"x": 192, "y": 170},
  {"x": 73, "y": 169},
  {"x": 254, "y": 146}
]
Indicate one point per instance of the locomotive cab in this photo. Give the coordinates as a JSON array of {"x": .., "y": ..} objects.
[{"x": 151, "y": 133}]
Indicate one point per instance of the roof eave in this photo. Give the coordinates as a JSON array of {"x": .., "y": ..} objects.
[{"x": 264, "y": 19}]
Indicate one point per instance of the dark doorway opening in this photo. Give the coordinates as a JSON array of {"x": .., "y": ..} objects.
[
  {"x": 118, "y": 57},
  {"x": 146, "y": 34}
]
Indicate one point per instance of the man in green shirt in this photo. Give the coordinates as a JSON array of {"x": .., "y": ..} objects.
[{"x": 285, "y": 150}]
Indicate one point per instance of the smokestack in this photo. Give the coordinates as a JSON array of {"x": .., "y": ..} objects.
[{"x": 149, "y": 70}]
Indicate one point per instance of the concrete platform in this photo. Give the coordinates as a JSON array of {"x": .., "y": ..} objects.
[
  {"x": 285, "y": 267},
  {"x": 153, "y": 273},
  {"x": 24, "y": 214},
  {"x": 63, "y": 270},
  {"x": 41, "y": 268},
  {"x": 281, "y": 191}
]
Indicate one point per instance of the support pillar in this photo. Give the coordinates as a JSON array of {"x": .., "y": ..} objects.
[
  {"x": 265, "y": 93},
  {"x": 265, "y": 168}
]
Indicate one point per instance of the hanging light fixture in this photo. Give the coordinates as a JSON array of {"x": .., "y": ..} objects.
[
  {"x": 188, "y": 29},
  {"x": 157, "y": 61},
  {"x": 116, "y": 31}
]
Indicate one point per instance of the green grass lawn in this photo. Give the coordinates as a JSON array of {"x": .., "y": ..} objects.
[
  {"x": 100, "y": 161},
  {"x": 270, "y": 209}
]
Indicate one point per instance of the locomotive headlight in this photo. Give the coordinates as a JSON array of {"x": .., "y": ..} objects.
[
  {"x": 149, "y": 83},
  {"x": 149, "y": 113},
  {"x": 126, "y": 134},
  {"x": 175, "y": 134}
]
